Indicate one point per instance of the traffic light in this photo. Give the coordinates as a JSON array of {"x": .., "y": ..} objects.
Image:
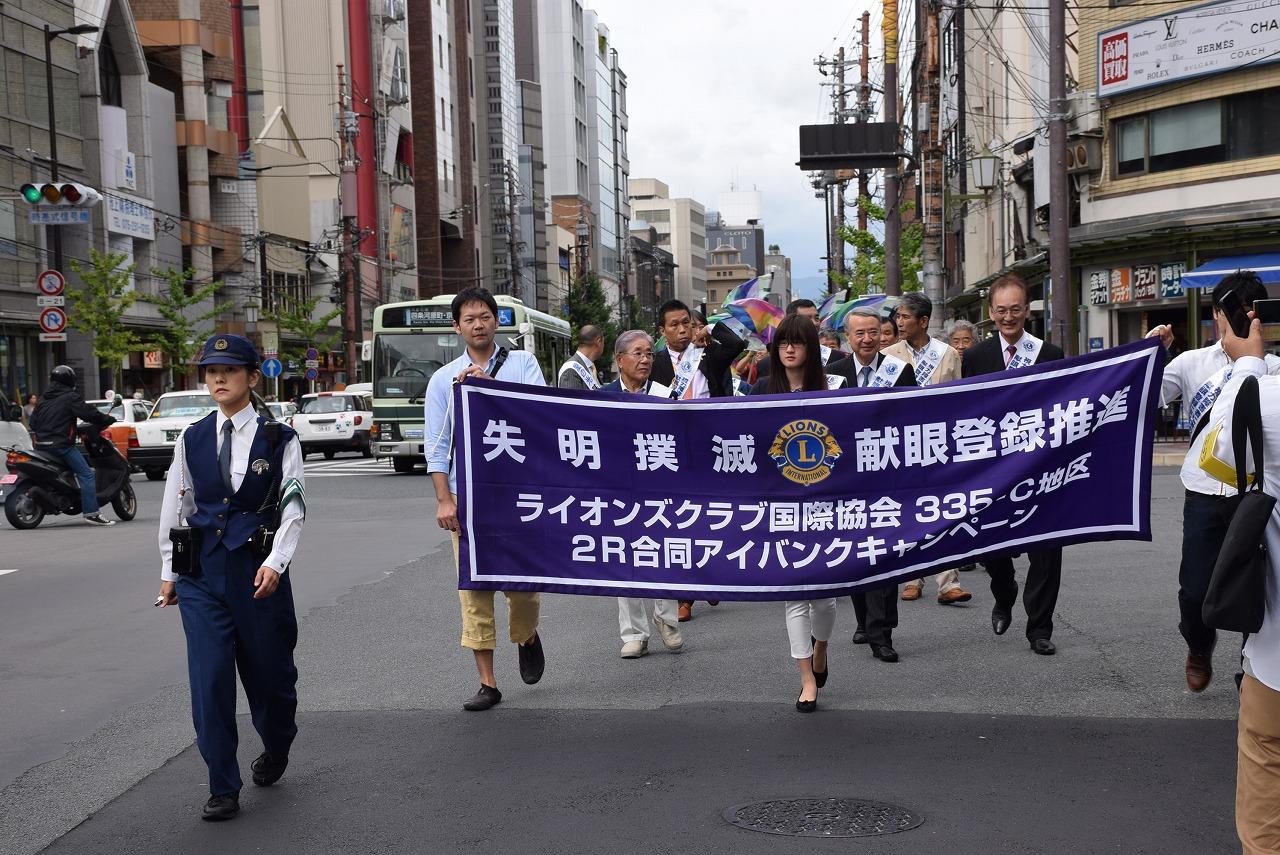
[{"x": 63, "y": 195}]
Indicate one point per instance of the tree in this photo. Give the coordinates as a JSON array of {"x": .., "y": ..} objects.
[
  {"x": 97, "y": 308},
  {"x": 587, "y": 305},
  {"x": 181, "y": 339},
  {"x": 300, "y": 329},
  {"x": 868, "y": 265}
]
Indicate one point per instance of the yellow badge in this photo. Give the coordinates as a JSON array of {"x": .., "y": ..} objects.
[
  {"x": 805, "y": 451},
  {"x": 220, "y": 344}
]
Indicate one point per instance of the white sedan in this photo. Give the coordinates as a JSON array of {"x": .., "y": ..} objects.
[
  {"x": 330, "y": 422},
  {"x": 159, "y": 433}
]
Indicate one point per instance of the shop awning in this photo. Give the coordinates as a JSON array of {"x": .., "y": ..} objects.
[{"x": 1266, "y": 265}]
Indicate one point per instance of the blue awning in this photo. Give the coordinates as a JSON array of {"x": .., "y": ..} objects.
[{"x": 1266, "y": 265}]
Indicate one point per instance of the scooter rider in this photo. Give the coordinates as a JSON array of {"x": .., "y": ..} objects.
[{"x": 54, "y": 424}]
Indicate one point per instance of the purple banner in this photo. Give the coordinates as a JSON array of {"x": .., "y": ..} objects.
[{"x": 799, "y": 496}]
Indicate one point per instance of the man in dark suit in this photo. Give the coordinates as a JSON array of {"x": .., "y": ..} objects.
[
  {"x": 876, "y": 610},
  {"x": 709, "y": 361},
  {"x": 1011, "y": 349}
]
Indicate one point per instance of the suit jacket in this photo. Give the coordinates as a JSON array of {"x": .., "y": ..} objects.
[
  {"x": 987, "y": 357},
  {"x": 948, "y": 369},
  {"x": 849, "y": 367},
  {"x": 723, "y": 348},
  {"x": 570, "y": 379}
]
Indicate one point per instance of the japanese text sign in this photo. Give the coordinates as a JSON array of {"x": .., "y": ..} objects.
[{"x": 798, "y": 496}]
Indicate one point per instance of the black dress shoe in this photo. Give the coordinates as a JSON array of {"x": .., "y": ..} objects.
[
  {"x": 487, "y": 698},
  {"x": 268, "y": 768},
  {"x": 532, "y": 660},
  {"x": 884, "y": 652},
  {"x": 1000, "y": 620},
  {"x": 220, "y": 808},
  {"x": 860, "y": 636},
  {"x": 1043, "y": 646},
  {"x": 806, "y": 706}
]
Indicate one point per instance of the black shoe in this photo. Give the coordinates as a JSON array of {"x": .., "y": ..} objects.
[
  {"x": 267, "y": 769},
  {"x": 859, "y": 636},
  {"x": 884, "y": 653},
  {"x": 532, "y": 660},
  {"x": 220, "y": 808},
  {"x": 1043, "y": 646},
  {"x": 1000, "y": 620},
  {"x": 487, "y": 698},
  {"x": 819, "y": 676},
  {"x": 806, "y": 706}
]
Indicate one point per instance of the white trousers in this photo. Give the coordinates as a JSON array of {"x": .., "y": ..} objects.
[
  {"x": 807, "y": 620},
  {"x": 633, "y": 616},
  {"x": 947, "y": 580}
]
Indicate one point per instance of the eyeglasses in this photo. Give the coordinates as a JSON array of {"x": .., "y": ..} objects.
[
  {"x": 783, "y": 344},
  {"x": 641, "y": 355},
  {"x": 1008, "y": 311}
]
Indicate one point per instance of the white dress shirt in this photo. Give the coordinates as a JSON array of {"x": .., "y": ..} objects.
[
  {"x": 177, "y": 502},
  {"x": 698, "y": 385}
]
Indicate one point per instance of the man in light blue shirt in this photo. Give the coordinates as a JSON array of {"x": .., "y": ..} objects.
[{"x": 475, "y": 319}]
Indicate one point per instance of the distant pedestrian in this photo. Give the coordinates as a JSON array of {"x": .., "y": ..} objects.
[
  {"x": 962, "y": 335},
  {"x": 32, "y": 402},
  {"x": 888, "y": 332},
  {"x": 580, "y": 371}
]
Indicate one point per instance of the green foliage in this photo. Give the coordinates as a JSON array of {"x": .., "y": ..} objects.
[
  {"x": 96, "y": 309},
  {"x": 299, "y": 330},
  {"x": 587, "y": 305},
  {"x": 183, "y": 336},
  {"x": 868, "y": 265}
]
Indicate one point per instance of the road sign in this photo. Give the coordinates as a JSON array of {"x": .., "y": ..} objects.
[
  {"x": 312, "y": 354},
  {"x": 270, "y": 354},
  {"x": 313, "y": 363},
  {"x": 44, "y": 300},
  {"x": 58, "y": 216},
  {"x": 53, "y": 320},
  {"x": 271, "y": 367},
  {"x": 53, "y": 336},
  {"x": 312, "y": 373},
  {"x": 51, "y": 282}
]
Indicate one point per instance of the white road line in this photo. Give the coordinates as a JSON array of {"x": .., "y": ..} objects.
[{"x": 6, "y": 572}]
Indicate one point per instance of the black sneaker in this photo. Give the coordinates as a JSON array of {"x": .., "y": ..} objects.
[
  {"x": 96, "y": 519},
  {"x": 220, "y": 808},
  {"x": 267, "y": 769},
  {"x": 532, "y": 660},
  {"x": 487, "y": 698}
]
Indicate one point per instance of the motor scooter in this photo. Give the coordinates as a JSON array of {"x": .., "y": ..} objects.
[{"x": 40, "y": 482}]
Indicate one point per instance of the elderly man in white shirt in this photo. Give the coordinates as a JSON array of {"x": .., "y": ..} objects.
[{"x": 1197, "y": 377}]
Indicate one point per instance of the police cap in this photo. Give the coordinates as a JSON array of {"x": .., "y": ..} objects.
[{"x": 229, "y": 349}]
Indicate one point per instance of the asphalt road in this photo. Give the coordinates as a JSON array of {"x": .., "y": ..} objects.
[{"x": 1099, "y": 749}]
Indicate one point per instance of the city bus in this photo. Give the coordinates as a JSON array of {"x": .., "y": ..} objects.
[{"x": 412, "y": 340}]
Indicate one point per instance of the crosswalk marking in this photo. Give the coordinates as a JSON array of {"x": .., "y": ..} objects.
[
  {"x": 7, "y": 572},
  {"x": 341, "y": 468}
]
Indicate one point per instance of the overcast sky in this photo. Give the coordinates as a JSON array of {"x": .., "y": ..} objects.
[{"x": 716, "y": 93}]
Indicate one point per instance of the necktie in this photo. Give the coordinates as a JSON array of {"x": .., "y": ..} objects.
[
  {"x": 224, "y": 454},
  {"x": 865, "y": 376},
  {"x": 1011, "y": 350}
]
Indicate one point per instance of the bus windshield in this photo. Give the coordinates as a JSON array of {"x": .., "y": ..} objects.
[{"x": 404, "y": 362}]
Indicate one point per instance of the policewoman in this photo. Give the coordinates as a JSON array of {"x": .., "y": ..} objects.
[{"x": 230, "y": 522}]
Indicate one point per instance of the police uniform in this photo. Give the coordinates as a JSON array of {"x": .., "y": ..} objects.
[{"x": 226, "y": 628}]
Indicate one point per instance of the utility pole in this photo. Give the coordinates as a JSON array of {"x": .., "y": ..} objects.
[
  {"x": 838, "y": 189},
  {"x": 929, "y": 140},
  {"x": 864, "y": 111},
  {"x": 348, "y": 272},
  {"x": 892, "y": 214},
  {"x": 1059, "y": 296},
  {"x": 512, "y": 247}
]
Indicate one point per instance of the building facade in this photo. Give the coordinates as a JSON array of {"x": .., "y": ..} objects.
[
  {"x": 681, "y": 229},
  {"x": 725, "y": 271},
  {"x": 778, "y": 267}
]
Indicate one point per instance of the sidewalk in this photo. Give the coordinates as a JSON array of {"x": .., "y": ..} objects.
[{"x": 1169, "y": 453}]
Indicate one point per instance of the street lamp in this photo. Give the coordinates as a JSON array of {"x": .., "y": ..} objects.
[{"x": 986, "y": 169}]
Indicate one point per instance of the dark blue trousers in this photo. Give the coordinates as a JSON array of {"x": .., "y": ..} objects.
[
  {"x": 228, "y": 630},
  {"x": 1204, "y": 527}
]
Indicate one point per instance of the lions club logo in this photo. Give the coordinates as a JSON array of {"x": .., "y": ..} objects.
[{"x": 805, "y": 451}]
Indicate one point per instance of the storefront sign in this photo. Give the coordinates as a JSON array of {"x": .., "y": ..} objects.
[
  {"x": 1120, "y": 291},
  {"x": 1146, "y": 282},
  {"x": 127, "y": 217},
  {"x": 1099, "y": 287},
  {"x": 153, "y": 359},
  {"x": 1171, "y": 279},
  {"x": 1192, "y": 42}
]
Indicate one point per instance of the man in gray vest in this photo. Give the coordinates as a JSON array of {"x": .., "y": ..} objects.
[{"x": 580, "y": 371}]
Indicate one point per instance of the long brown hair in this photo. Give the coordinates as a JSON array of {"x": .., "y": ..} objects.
[{"x": 796, "y": 329}]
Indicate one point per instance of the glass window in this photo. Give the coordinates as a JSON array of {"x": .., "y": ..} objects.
[
  {"x": 404, "y": 362},
  {"x": 1252, "y": 119},
  {"x": 1186, "y": 135},
  {"x": 194, "y": 406},
  {"x": 328, "y": 404}
]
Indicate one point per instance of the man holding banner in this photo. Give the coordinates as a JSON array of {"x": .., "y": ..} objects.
[
  {"x": 475, "y": 320},
  {"x": 633, "y": 351},
  {"x": 1011, "y": 349},
  {"x": 934, "y": 363}
]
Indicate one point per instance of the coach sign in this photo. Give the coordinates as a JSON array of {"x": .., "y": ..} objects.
[
  {"x": 787, "y": 496},
  {"x": 1192, "y": 42}
]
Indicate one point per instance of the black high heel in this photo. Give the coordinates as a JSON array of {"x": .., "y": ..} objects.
[
  {"x": 806, "y": 706},
  {"x": 819, "y": 676}
]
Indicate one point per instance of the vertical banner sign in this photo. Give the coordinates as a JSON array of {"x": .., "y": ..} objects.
[
  {"x": 1171, "y": 279},
  {"x": 798, "y": 496},
  {"x": 1120, "y": 292},
  {"x": 1099, "y": 287},
  {"x": 1146, "y": 282}
]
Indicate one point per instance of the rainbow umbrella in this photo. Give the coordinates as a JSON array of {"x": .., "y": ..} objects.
[
  {"x": 747, "y": 290},
  {"x": 756, "y": 315},
  {"x": 871, "y": 301}
]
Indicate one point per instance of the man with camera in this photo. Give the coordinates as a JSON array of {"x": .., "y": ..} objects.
[{"x": 229, "y": 525}]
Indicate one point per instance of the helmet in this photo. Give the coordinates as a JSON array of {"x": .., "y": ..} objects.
[{"x": 63, "y": 374}]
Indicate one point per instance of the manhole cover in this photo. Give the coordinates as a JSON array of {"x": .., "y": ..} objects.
[{"x": 822, "y": 817}]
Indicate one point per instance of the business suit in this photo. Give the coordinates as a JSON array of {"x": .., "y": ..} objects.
[
  {"x": 722, "y": 349},
  {"x": 570, "y": 379},
  {"x": 1045, "y": 575},
  {"x": 849, "y": 367}
]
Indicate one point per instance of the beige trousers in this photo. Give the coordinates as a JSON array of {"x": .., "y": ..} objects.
[
  {"x": 479, "y": 629},
  {"x": 1258, "y": 768}
]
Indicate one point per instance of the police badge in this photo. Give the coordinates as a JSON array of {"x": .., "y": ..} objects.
[{"x": 260, "y": 467}]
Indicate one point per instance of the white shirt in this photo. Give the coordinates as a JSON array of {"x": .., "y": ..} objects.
[
  {"x": 699, "y": 381},
  {"x": 1262, "y": 650},
  {"x": 176, "y": 502},
  {"x": 655, "y": 389},
  {"x": 1005, "y": 344}
]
